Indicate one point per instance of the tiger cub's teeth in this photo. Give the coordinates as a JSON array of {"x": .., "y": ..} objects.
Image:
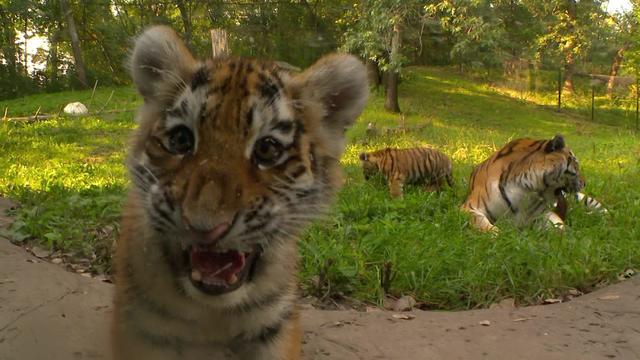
[
  {"x": 195, "y": 275},
  {"x": 233, "y": 279}
]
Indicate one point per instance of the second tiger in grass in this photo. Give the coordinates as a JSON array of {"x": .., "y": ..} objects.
[
  {"x": 413, "y": 165},
  {"x": 524, "y": 180}
]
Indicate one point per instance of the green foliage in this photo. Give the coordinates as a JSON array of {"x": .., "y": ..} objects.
[
  {"x": 570, "y": 28},
  {"x": 69, "y": 178},
  {"x": 296, "y": 32},
  {"x": 478, "y": 33},
  {"x": 370, "y": 29}
]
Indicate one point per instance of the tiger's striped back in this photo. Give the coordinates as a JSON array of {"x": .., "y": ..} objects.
[{"x": 409, "y": 166}]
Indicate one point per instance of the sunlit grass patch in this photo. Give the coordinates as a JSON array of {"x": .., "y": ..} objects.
[{"x": 69, "y": 178}]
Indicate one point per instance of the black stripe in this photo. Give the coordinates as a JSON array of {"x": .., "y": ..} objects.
[
  {"x": 492, "y": 218},
  {"x": 277, "y": 78},
  {"x": 167, "y": 200},
  {"x": 297, "y": 172},
  {"x": 506, "y": 198},
  {"x": 508, "y": 149},
  {"x": 268, "y": 88},
  {"x": 391, "y": 158},
  {"x": 271, "y": 332},
  {"x": 249, "y": 116},
  {"x": 284, "y": 126},
  {"x": 200, "y": 78},
  {"x": 163, "y": 214}
]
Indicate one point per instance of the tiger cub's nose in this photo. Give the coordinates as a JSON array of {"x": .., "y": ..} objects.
[{"x": 217, "y": 232}]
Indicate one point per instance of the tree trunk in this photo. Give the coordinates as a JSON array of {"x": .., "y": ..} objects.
[
  {"x": 26, "y": 40},
  {"x": 186, "y": 21},
  {"x": 533, "y": 75},
  {"x": 391, "y": 99},
  {"x": 8, "y": 48},
  {"x": 219, "y": 44},
  {"x": 615, "y": 67},
  {"x": 52, "y": 66},
  {"x": 75, "y": 43},
  {"x": 373, "y": 73}
]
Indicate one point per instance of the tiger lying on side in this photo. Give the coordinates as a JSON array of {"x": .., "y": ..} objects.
[
  {"x": 523, "y": 180},
  {"x": 231, "y": 160},
  {"x": 404, "y": 166}
]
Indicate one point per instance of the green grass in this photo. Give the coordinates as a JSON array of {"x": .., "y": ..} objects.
[
  {"x": 69, "y": 178},
  {"x": 67, "y": 173}
]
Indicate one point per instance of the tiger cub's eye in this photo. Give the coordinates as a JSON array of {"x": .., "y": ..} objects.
[
  {"x": 180, "y": 140},
  {"x": 267, "y": 151}
]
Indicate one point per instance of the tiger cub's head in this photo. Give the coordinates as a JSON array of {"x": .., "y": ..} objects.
[
  {"x": 234, "y": 156},
  {"x": 370, "y": 163}
]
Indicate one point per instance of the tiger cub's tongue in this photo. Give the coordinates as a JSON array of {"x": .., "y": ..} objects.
[{"x": 214, "y": 266}]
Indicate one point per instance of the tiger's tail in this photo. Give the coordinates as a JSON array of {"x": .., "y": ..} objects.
[{"x": 590, "y": 203}]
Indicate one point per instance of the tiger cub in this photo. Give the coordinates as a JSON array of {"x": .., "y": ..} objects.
[
  {"x": 403, "y": 166},
  {"x": 523, "y": 180},
  {"x": 232, "y": 158}
]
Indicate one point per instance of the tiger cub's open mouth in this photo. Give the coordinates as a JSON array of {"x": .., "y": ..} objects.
[{"x": 214, "y": 272}]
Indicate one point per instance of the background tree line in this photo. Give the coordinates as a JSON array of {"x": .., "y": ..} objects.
[{"x": 89, "y": 40}]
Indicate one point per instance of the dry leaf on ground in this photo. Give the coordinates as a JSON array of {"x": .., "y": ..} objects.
[{"x": 403, "y": 316}]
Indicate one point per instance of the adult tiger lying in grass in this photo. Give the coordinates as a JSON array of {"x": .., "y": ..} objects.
[
  {"x": 524, "y": 180},
  {"x": 231, "y": 160},
  {"x": 403, "y": 166}
]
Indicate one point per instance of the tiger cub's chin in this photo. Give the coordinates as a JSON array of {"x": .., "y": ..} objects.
[{"x": 231, "y": 160}]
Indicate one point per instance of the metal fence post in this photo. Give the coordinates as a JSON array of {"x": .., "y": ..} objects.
[
  {"x": 593, "y": 98},
  {"x": 559, "y": 88}
]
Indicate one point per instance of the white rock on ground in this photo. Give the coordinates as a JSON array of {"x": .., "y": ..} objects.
[{"x": 76, "y": 109}]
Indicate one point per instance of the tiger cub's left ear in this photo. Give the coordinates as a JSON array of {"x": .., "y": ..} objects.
[
  {"x": 338, "y": 83},
  {"x": 555, "y": 144}
]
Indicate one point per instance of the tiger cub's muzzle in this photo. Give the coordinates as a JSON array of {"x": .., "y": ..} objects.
[
  {"x": 574, "y": 184},
  {"x": 212, "y": 269}
]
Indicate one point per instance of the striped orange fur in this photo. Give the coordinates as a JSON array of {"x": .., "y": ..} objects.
[
  {"x": 526, "y": 178},
  {"x": 231, "y": 160},
  {"x": 413, "y": 165}
]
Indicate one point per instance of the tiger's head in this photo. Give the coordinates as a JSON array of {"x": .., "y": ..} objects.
[
  {"x": 370, "y": 163},
  {"x": 233, "y": 157},
  {"x": 554, "y": 161},
  {"x": 564, "y": 169}
]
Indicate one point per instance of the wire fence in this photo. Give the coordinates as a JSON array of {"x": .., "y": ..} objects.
[{"x": 598, "y": 97}]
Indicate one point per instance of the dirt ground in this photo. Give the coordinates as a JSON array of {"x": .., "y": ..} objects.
[{"x": 49, "y": 313}]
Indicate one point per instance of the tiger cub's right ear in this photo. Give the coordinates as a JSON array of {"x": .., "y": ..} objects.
[
  {"x": 161, "y": 64},
  {"x": 338, "y": 83}
]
